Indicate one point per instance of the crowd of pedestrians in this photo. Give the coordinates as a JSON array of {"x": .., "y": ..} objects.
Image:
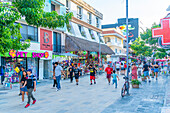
[{"x": 136, "y": 70}]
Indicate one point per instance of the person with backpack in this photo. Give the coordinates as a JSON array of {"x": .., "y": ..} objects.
[{"x": 31, "y": 86}]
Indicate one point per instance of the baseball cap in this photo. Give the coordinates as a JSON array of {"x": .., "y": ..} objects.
[{"x": 30, "y": 70}]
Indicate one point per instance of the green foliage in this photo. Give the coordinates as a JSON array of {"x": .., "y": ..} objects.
[
  {"x": 135, "y": 82},
  {"x": 145, "y": 44},
  {"x": 34, "y": 15},
  {"x": 9, "y": 33}
]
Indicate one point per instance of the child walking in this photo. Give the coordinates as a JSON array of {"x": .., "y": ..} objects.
[
  {"x": 31, "y": 86},
  {"x": 115, "y": 77}
]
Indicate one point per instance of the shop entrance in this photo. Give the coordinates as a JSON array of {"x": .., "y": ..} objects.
[{"x": 46, "y": 69}]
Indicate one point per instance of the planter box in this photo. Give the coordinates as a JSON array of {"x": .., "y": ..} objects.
[
  {"x": 135, "y": 86},
  {"x": 143, "y": 79}
]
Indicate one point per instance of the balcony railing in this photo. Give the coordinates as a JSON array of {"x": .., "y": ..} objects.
[{"x": 79, "y": 16}]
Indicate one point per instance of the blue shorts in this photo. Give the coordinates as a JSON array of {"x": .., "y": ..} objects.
[
  {"x": 24, "y": 89},
  {"x": 156, "y": 70},
  {"x": 146, "y": 73}
]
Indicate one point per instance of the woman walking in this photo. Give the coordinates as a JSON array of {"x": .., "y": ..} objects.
[
  {"x": 156, "y": 70},
  {"x": 23, "y": 89},
  {"x": 134, "y": 71}
]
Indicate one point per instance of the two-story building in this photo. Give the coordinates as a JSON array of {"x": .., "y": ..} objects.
[{"x": 115, "y": 40}]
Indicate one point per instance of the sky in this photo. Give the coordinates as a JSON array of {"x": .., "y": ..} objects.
[{"x": 148, "y": 11}]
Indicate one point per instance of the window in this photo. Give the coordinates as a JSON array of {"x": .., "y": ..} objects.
[
  {"x": 67, "y": 6},
  {"x": 56, "y": 42},
  {"x": 80, "y": 28},
  {"x": 79, "y": 15},
  {"x": 89, "y": 18},
  {"x": 120, "y": 42},
  {"x": 97, "y": 22},
  {"x": 120, "y": 51},
  {"x": 52, "y": 7},
  {"x": 29, "y": 32},
  {"x": 115, "y": 40},
  {"x": 67, "y": 3},
  {"x": 92, "y": 35},
  {"x": 115, "y": 50}
]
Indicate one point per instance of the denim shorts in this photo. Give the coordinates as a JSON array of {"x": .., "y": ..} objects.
[
  {"x": 24, "y": 89},
  {"x": 146, "y": 73},
  {"x": 156, "y": 70}
]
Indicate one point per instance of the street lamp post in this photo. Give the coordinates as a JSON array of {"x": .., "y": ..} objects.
[{"x": 127, "y": 45}]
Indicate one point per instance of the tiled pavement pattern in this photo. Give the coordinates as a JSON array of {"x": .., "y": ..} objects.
[{"x": 149, "y": 98}]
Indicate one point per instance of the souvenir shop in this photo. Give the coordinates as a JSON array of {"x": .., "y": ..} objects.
[{"x": 14, "y": 60}]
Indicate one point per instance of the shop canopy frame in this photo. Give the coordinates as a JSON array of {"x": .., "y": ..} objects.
[{"x": 78, "y": 44}]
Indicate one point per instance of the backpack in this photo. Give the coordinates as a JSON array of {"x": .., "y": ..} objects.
[{"x": 32, "y": 80}]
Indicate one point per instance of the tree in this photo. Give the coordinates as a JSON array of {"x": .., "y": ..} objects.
[
  {"x": 34, "y": 15},
  {"x": 146, "y": 44}
]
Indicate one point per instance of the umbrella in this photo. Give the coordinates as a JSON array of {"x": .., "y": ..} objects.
[{"x": 69, "y": 54}]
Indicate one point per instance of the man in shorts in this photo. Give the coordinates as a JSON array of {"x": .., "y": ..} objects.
[
  {"x": 92, "y": 74},
  {"x": 146, "y": 71},
  {"x": 109, "y": 71},
  {"x": 118, "y": 68},
  {"x": 76, "y": 73}
]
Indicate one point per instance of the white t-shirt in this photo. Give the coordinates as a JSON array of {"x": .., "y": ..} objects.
[
  {"x": 58, "y": 70},
  {"x": 140, "y": 68},
  {"x": 117, "y": 66}
]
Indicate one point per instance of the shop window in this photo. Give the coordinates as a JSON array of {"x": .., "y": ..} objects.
[
  {"x": 57, "y": 42},
  {"x": 29, "y": 32}
]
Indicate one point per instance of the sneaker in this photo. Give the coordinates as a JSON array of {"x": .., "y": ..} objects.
[
  {"x": 57, "y": 89},
  {"x": 21, "y": 103},
  {"x": 34, "y": 101},
  {"x": 91, "y": 84},
  {"x": 94, "y": 82},
  {"x": 156, "y": 78},
  {"x": 77, "y": 84},
  {"x": 20, "y": 94},
  {"x": 149, "y": 81},
  {"x": 27, "y": 105}
]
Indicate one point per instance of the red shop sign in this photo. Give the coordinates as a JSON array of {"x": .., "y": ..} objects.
[{"x": 46, "y": 40}]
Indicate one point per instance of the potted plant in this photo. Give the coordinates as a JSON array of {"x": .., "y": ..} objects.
[
  {"x": 135, "y": 83},
  {"x": 143, "y": 78}
]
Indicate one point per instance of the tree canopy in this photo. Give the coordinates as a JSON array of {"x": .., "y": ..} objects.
[
  {"x": 32, "y": 10},
  {"x": 147, "y": 46}
]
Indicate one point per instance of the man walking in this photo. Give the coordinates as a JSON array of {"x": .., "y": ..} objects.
[
  {"x": 92, "y": 74},
  {"x": 71, "y": 73},
  {"x": 31, "y": 86},
  {"x": 109, "y": 71},
  {"x": 58, "y": 70},
  {"x": 146, "y": 71},
  {"x": 76, "y": 73}
]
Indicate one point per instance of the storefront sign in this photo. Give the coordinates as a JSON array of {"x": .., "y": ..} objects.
[
  {"x": 46, "y": 40},
  {"x": 22, "y": 54}
]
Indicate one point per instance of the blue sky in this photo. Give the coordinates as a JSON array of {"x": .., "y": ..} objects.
[{"x": 148, "y": 11}]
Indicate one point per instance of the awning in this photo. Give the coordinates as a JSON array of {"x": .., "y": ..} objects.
[{"x": 78, "y": 44}]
